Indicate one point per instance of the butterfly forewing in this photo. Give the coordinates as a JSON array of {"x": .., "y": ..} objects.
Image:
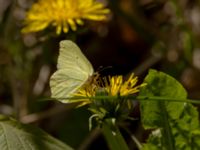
[
  {"x": 71, "y": 56},
  {"x": 73, "y": 71}
]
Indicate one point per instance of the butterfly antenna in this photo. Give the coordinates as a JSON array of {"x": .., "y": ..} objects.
[{"x": 101, "y": 68}]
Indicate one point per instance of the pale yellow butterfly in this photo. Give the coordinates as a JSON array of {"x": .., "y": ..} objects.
[{"x": 73, "y": 71}]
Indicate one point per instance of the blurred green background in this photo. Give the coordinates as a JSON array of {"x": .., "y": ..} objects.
[{"x": 138, "y": 35}]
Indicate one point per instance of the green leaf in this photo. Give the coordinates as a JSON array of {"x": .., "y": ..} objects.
[
  {"x": 175, "y": 124},
  {"x": 16, "y": 136},
  {"x": 154, "y": 141},
  {"x": 186, "y": 129},
  {"x": 161, "y": 84}
]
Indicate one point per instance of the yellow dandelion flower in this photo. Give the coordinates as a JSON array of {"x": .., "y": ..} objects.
[
  {"x": 119, "y": 87},
  {"x": 112, "y": 86},
  {"x": 85, "y": 93},
  {"x": 107, "y": 97},
  {"x": 62, "y": 14}
]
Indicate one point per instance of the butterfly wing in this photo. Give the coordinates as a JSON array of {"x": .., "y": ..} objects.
[{"x": 73, "y": 71}]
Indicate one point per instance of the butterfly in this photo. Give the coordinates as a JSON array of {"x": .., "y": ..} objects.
[{"x": 73, "y": 71}]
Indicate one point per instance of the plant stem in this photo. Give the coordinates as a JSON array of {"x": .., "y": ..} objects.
[
  {"x": 114, "y": 138},
  {"x": 134, "y": 98}
]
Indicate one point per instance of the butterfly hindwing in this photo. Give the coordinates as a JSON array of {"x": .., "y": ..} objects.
[{"x": 73, "y": 71}]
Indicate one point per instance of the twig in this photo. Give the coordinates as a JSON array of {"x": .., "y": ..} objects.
[
  {"x": 148, "y": 63},
  {"x": 88, "y": 140},
  {"x": 31, "y": 118}
]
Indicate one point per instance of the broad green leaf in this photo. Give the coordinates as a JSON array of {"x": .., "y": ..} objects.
[
  {"x": 154, "y": 141},
  {"x": 175, "y": 124},
  {"x": 186, "y": 129},
  {"x": 161, "y": 84},
  {"x": 16, "y": 136},
  {"x": 185, "y": 132}
]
